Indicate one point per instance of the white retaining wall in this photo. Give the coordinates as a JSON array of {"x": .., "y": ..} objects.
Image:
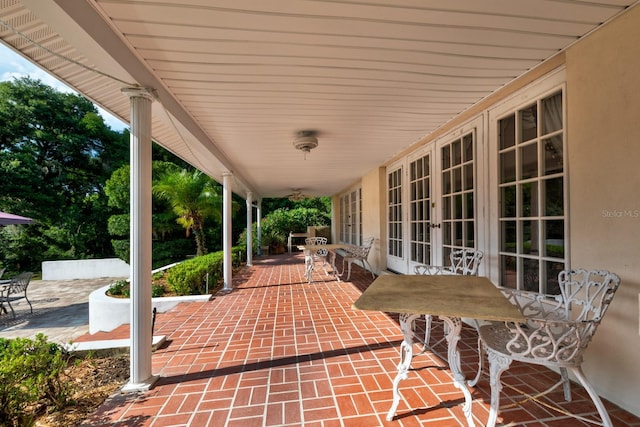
[
  {"x": 84, "y": 269},
  {"x": 107, "y": 313}
]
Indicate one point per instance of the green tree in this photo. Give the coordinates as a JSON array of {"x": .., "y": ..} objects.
[
  {"x": 55, "y": 155},
  {"x": 193, "y": 196},
  {"x": 169, "y": 243}
]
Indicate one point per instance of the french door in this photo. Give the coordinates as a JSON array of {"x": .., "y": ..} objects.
[
  {"x": 431, "y": 202},
  {"x": 351, "y": 217}
]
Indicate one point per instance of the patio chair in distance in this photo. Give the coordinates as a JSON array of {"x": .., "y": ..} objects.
[
  {"x": 358, "y": 253},
  {"x": 556, "y": 334},
  {"x": 15, "y": 290},
  {"x": 310, "y": 259}
]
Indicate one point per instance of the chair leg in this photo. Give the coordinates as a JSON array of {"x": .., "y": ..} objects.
[
  {"x": 566, "y": 384},
  {"x": 12, "y": 310},
  {"x": 497, "y": 365},
  {"x": 370, "y": 268},
  {"x": 473, "y": 382},
  {"x": 602, "y": 411},
  {"x": 349, "y": 273},
  {"x": 30, "y": 306},
  {"x": 427, "y": 330}
]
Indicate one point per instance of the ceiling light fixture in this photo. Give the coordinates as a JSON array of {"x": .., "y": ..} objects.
[
  {"x": 297, "y": 196},
  {"x": 305, "y": 141}
]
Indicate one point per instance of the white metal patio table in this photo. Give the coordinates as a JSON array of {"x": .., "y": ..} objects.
[{"x": 450, "y": 297}]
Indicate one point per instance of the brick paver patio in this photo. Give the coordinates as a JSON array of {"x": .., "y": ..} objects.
[{"x": 278, "y": 351}]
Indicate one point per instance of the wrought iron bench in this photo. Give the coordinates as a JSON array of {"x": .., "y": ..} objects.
[{"x": 15, "y": 290}]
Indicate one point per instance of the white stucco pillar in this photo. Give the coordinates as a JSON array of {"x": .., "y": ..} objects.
[
  {"x": 250, "y": 229},
  {"x": 141, "y": 377},
  {"x": 259, "y": 225},
  {"x": 226, "y": 229}
]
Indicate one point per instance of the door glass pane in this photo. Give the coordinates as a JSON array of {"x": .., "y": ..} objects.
[
  {"x": 447, "y": 233},
  {"x": 468, "y": 206},
  {"x": 507, "y": 132},
  {"x": 507, "y": 166},
  {"x": 467, "y": 148},
  {"x": 530, "y": 242},
  {"x": 470, "y": 234},
  {"x": 446, "y": 207},
  {"x": 554, "y": 197},
  {"x": 456, "y": 153},
  {"x": 553, "y": 157},
  {"x": 508, "y": 236},
  {"x": 458, "y": 233},
  {"x": 529, "y": 199},
  {"x": 446, "y": 157},
  {"x": 529, "y": 161},
  {"x": 457, "y": 179},
  {"x": 530, "y": 275},
  {"x": 554, "y": 238},
  {"x": 553, "y": 269},
  {"x": 467, "y": 177},
  {"x": 552, "y": 114},
  {"x": 446, "y": 182},
  {"x": 528, "y": 123},
  {"x": 508, "y": 271},
  {"x": 508, "y": 202},
  {"x": 457, "y": 206}
]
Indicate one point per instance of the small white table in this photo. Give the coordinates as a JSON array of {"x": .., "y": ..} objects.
[{"x": 450, "y": 297}]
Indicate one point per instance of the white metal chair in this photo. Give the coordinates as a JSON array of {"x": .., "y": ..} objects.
[
  {"x": 556, "y": 334},
  {"x": 311, "y": 258},
  {"x": 358, "y": 253},
  {"x": 463, "y": 262}
]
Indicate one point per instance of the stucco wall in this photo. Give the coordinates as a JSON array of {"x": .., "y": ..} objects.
[
  {"x": 373, "y": 203},
  {"x": 84, "y": 269},
  {"x": 603, "y": 94}
]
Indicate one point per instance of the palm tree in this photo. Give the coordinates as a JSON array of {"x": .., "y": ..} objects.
[{"x": 193, "y": 197}]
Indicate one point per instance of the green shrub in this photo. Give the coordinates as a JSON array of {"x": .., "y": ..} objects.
[
  {"x": 30, "y": 372},
  {"x": 277, "y": 225},
  {"x": 119, "y": 288},
  {"x": 190, "y": 277},
  {"x": 157, "y": 291}
]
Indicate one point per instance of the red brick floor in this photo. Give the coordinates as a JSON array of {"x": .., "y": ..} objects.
[{"x": 278, "y": 351}]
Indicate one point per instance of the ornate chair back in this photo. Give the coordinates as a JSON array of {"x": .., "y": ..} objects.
[{"x": 556, "y": 334}]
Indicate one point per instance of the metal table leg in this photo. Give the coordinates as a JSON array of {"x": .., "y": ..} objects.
[{"x": 453, "y": 336}]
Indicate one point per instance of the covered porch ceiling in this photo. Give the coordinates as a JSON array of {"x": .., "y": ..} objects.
[{"x": 235, "y": 80}]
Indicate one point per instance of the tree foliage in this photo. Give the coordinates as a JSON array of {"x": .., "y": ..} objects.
[
  {"x": 194, "y": 197},
  {"x": 55, "y": 154}
]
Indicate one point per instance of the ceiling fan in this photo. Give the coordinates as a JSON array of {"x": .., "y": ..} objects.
[{"x": 297, "y": 195}]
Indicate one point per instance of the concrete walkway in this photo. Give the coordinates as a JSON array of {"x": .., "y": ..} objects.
[{"x": 60, "y": 310}]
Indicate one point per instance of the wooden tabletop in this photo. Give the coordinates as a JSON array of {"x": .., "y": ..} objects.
[
  {"x": 330, "y": 246},
  {"x": 439, "y": 295}
]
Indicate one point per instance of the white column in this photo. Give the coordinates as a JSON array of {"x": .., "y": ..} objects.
[
  {"x": 226, "y": 230},
  {"x": 141, "y": 377},
  {"x": 250, "y": 229},
  {"x": 259, "y": 225}
]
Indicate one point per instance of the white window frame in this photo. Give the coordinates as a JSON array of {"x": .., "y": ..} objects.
[{"x": 548, "y": 85}]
